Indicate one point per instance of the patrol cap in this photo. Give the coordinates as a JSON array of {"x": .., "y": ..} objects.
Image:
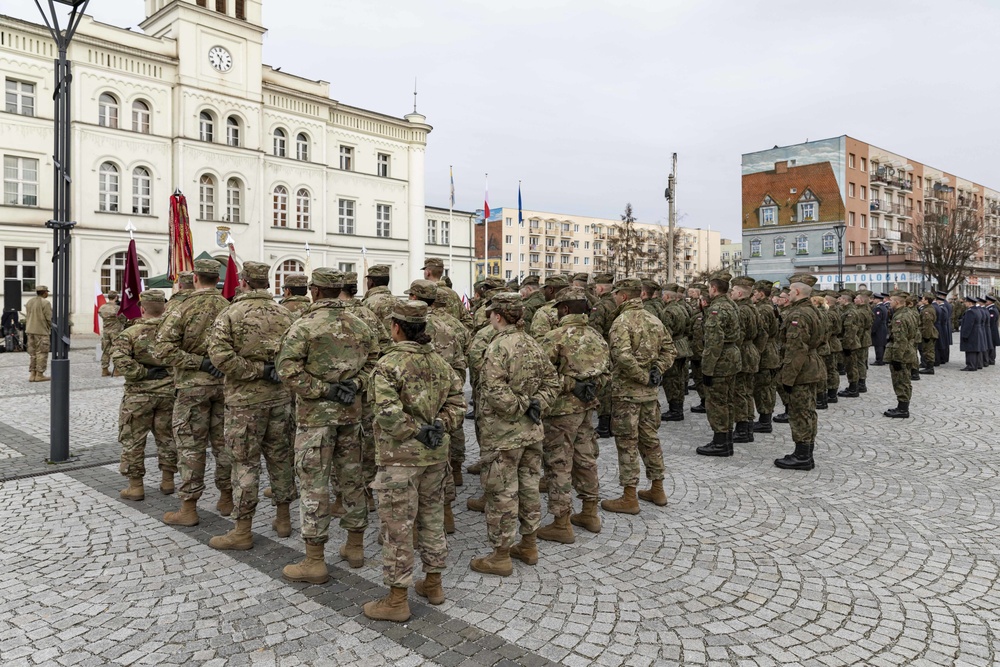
[
  {"x": 207, "y": 266},
  {"x": 698, "y": 286},
  {"x": 379, "y": 271},
  {"x": 296, "y": 280},
  {"x": 423, "y": 289},
  {"x": 899, "y": 293},
  {"x": 650, "y": 285},
  {"x": 764, "y": 286},
  {"x": 742, "y": 281},
  {"x": 848, "y": 293},
  {"x": 721, "y": 275},
  {"x": 494, "y": 283},
  {"x": 529, "y": 280},
  {"x": 571, "y": 294},
  {"x": 255, "y": 271},
  {"x": 507, "y": 302},
  {"x": 804, "y": 278},
  {"x": 433, "y": 263},
  {"x": 631, "y": 284},
  {"x": 604, "y": 279},
  {"x": 113, "y": 294},
  {"x": 326, "y": 276},
  {"x": 581, "y": 278},
  {"x": 512, "y": 283},
  {"x": 414, "y": 312},
  {"x": 186, "y": 277},
  {"x": 153, "y": 296},
  {"x": 930, "y": 296},
  {"x": 558, "y": 280}
]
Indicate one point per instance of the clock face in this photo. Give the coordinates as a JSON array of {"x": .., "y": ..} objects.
[{"x": 220, "y": 59}]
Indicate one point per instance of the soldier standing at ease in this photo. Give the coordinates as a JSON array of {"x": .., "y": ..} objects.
[
  {"x": 545, "y": 319},
  {"x": 901, "y": 352},
  {"x": 534, "y": 297},
  {"x": 38, "y": 326},
  {"x": 850, "y": 342},
  {"x": 326, "y": 359},
  {"x": 868, "y": 320},
  {"x": 182, "y": 343},
  {"x": 418, "y": 400},
  {"x": 112, "y": 324},
  {"x": 293, "y": 294},
  {"x": 721, "y": 362},
  {"x": 582, "y": 280},
  {"x": 641, "y": 350},
  {"x": 378, "y": 298},
  {"x": 148, "y": 401},
  {"x": 743, "y": 413},
  {"x": 770, "y": 357},
  {"x": 835, "y": 331},
  {"x": 242, "y": 344},
  {"x": 826, "y": 358},
  {"x": 928, "y": 333},
  {"x": 185, "y": 287},
  {"x": 601, "y": 318},
  {"x": 697, "y": 327},
  {"x": 447, "y": 298},
  {"x": 676, "y": 318}
]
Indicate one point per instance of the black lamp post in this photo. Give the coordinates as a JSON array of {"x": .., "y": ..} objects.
[
  {"x": 60, "y": 224},
  {"x": 840, "y": 229}
]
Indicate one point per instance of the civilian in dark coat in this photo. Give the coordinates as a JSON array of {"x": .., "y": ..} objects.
[
  {"x": 994, "y": 325},
  {"x": 880, "y": 329},
  {"x": 968, "y": 336},
  {"x": 945, "y": 330}
]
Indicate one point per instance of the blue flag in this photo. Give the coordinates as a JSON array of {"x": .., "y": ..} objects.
[{"x": 520, "y": 218}]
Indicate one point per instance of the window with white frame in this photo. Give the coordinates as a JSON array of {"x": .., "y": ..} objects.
[
  {"x": 432, "y": 232},
  {"x": 808, "y": 207},
  {"x": 755, "y": 248},
  {"x": 287, "y": 268},
  {"x": 508, "y": 257},
  {"x": 279, "y": 207},
  {"x": 302, "y": 203},
  {"x": 347, "y": 158},
  {"x": 779, "y": 246},
  {"x": 140, "y": 116},
  {"x": 586, "y": 261},
  {"x": 345, "y": 267},
  {"x": 802, "y": 245},
  {"x": 113, "y": 272},
  {"x": 383, "y": 218},
  {"x": 206, "y": 197},
  {"x": 234, "y": 200},
  {"x": 19, "y": 97},
  {"x": 829, "y": 245},
  {"x": 107, "y": 110},
  {"x": 302, "y": 147},
  {"x": 206, "y": 126},
  {"x": 850, "y": 248},
  {"x": 345, "y": 216},
  {"x": 108, "y": 187},
  {"x": 768, "y": 212},
  {"x": 382, "y": 165},
  {"x": 142, "y": 189},
  {"x": 20, "y": 181},
  {"x": 280, "y": 143},
  {"x": 509, "y": 238},
  {"x": 21, "y": 264},
  {"x": 445, "y": 232},
  {"x": 232, "y": 131}
]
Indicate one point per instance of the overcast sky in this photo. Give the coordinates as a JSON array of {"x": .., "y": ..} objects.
[{"x": 584, "y": 100}]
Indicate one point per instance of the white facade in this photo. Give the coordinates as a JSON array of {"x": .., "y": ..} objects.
[{"x": 262, "y": 155}]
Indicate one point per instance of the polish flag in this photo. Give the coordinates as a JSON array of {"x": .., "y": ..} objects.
[
  {"x": 99, "y": 300},
  {"x": 486, "y": 200}
]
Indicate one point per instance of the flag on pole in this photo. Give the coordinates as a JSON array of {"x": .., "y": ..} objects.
[
  {"x": 99, "y": 300},
  {"x": 232, "y": 275},
  {"x": 451, "y": 174},
  {"x": 180, "y": 249},
  {"x": 131, "y": 285},
  {"x": 520, "y": 217},
  {"x": 486, "y": 200}
]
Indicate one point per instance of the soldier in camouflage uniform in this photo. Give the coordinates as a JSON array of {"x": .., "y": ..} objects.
[
  {"x": 481, "y": 318},
  {"x": 743, "y": 412},
  {"x": 641, "y": 350},
  {"x": 534, "y": 297},
  {"x": 697, "y": 300},
  {"x": 518, "y": 386},
  {"x": 721, "y": 362},
  {"x": 901, "y": 351},
  {"x": 676, "y": 319},
  {"x": 294, "y": 295},
  {"x": 243, "y": 344},
  {"x": 326, "y": 359},
  {"x": 850, "y": 342},
  {"x": 652, "y": 302},
  {"x": 826, "y": 358},
  {"x": 112, "y": 324},
  {"x": 185, "y": 287},
  {"x": 148, "y": 402},
  {"x": 601, "y": 317},
  {"x": 545, "y": 319},
  {"x": 448, "y": 299},
  {"x": 835, "y": 329},
  {"x": 582, "y": 280},
  {"x": 868, "y": 318},
  {"x": 781, "y": 304},
  {"x": 418, "y": 399},
  {"x": 182, "y": 343},
  {"x": 582, "y": 362},
  {"x": 475, "y": 354},
  {"x": 38, "y": 327},
  {"x": 928, "y": 332},
  {"x": 378, "y": 298},
  {"x": 770, "y": 356}
]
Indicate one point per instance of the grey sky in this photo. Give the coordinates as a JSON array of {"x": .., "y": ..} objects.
[{"x": 584, "y": 100}]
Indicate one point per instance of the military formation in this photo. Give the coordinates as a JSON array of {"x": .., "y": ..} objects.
[{"x": 358, "y": 405}]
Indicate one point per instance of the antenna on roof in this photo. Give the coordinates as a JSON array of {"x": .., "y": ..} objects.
[{"x": 414, "y": 94}]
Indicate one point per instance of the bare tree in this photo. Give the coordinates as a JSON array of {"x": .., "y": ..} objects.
[
  {"x": 627, "y": 246},
  {"x": 659, "y": 250},
  {"x": 949, "y": 235}
]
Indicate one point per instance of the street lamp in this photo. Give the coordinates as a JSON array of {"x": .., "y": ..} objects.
[
  {"x": 840, "y": 229},
  {"x": 746, "y": 263},
  {"x": 60, "y": 224}
]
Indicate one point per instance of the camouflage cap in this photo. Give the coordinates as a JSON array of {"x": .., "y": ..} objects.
[
  {"x": 631, "y": 284},
  {"x": 865, "y": 293},
  {"x": 410, "y": 311},
  {"x": 423, "y": 289},
  {"x": 671, "y": 287},
  {"x": 433, "y": 263},
  {"x": 513, "y": 284},
  {"x": 529, "y": 280},
  {"x": 743, "y": 281},
  {"x": 804, "y": 278},
  {"x": 848, "y": 293},
  {"x": 296, "y": 280},
  {"x": 722, "y": 275},
  {"x": 494, "y": 283},
  {"x": 255, "y": 271},
  {"x": 558, "y": 280},
  {"x": 581, "y": 277},
  {"x": 604, "y": 279},
  {"x": 153, "y": 296},
  {"x": 207, "y": 266},
  {"x": 571, "y": 294},
  {"x": 902, "y": 294},
  {"x": 379, "y": 271},
  {"x": 764, "y": 286},
  {"x": 186, "y": 277},
  {"x": 650, "y": 285},
  {"x": 112, "y": 294},
  {"x": 507, "y": 302},
  {"x": 698, "y": 286},
  {"x": 326, "y": 276},
  {"x": 351, "y": 278},
  {"x": 930, "y": 296}
]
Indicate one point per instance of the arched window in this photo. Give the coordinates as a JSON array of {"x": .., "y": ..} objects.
[
  {"x": 280, "y": 210},
  {"x": 280, "y": 143},
  {"x": 107, "y": 110},
  {"x": 206, "y": 197},
  {"x": 233, "y": 131},
  {"x": 302, "y": 203},
  {"x": 302, "y": 147},
  {"x": 206, "y": 126},
  {"x": 287, "y": 268},
  {"x": 234, "y": 199},
  {"x": 829, "y": 244},
  {"x": 802, "y": 245},
  {"x": 142, "y": 191},
  {"x": 779, "y": 246},
  {"x": 108, "y": 187},
  {"x": 140, "y": 117},
  {"x": 113, "y": 272}
]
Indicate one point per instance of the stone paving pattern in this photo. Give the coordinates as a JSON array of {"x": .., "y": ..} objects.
[{"x": 887, "y": 554}]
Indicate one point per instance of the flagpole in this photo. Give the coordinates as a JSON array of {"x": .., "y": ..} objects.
[
  {"x": 520, "y": 228},
  {"x": 451, "y": 225}
]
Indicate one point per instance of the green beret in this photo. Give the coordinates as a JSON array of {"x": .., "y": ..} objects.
[
  {"x": 604, "y": 279},
  {"x": 423, "y": 289},
  {"x": 899, "y": 293},
  {"x": 209, "y": 266},
  {"x": 379, "y": 270},
  {"x": 930, "y": 296},
  {"x": 865, "y": 293},
  {"x": 671, "y": 287},
  {"x": 743, "y": 281},
  {"x": 410, "y": 311},
  {"x": 326, "y": 276},
  {"x": 571, "y": 294},
  {"x": 255, "y": 271},
  {"x": 558, "y": 280},
  {"x": 631, "y": 284},
  {"x": 721, "y": 275},
  {"x": 848, "y": 293},
  {"x": 529, "y": 280},
  {"x": 804, "y": 278},
  {"x": 153, "y": 296}
]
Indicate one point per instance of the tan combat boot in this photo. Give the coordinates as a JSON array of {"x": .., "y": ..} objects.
[
  {"x": 187, "y": 516},
  {"x": 588, "y": 518},
  {"x": 456, "y": 474},
  {"x": 497, "y": 562},
  {"x": 105, "y": 373},
  {"x": 655, "y": 493},
  {"x": 311, "y": 569},
  {"x": 449, "y": 520},
  {"x": 282, "y": 523},
  {"x": 353, "y": 551},
  {"x": 41, "y": 377},
  {"x": 225, "y": 504},
  {"x": 430, "y": 588},
  {"x": 627, "y": 504},
  {"x": 337, "y": 508},
  {"x": 238, "y": 539},
  {"x": 33, "y": 377},
  {"x": 135, "y": 490},
  {"x": 558, "y": 531},
  {"x": 475, "y": 468},
  {"x": 526, "y": 550},
  {"x": 268, "y": 493},
  {"x": 393, "y": 607},
  {"x": 166, "y": 482},
  {"x": 476, "y": 504}
]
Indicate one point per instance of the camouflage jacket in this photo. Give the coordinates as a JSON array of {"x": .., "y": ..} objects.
[
  {"x": 476, "y": 352},
  {"x": 655, "y": 308},
  {"x": 723, "y": 333},
  {"x": 452, "y": 302},
  {"x": 380, "y": 301},
  {"x": 675, "y": 317},
  {"x": 545, "y": 320},
  {"x": 852, "y": 323},
  {"x": 112, "y": 323},
  {"x": 868, "y": 317},
  {"x": 531, "y": 305},
  {"x": 38, "y": 316},
  {"x": 132, "y": 356},
  {"x": 297, "y": 305},
  {"x": 824, "y": 346},
  {"x": 603, "y": 315},
  {"x": 182, "y": 338},
  {"x": 697, "y": 334},
  {"x": 802, "y": 335},
  {"x": 770, "y": 356},
  {"x": 176, "y": 299},
  {"x": 834, "y": 328},
  {"x": 638, "y": 343},
  {"x": 904, "y": 334},
  {"x": 749, "y": 323},
  {"x": 244, "y": 337},
  {"x": 411, "y": 386},
  {"x": 449, "y": 339},
  {"x": 577, "y": 352},
  {"x": 928, "y": 322},
  {"x": 480, "y": 320},
  {"x": 367, "y": 315},
  {"x": 326, "y": 345},
  {"x": 515, "y": 370}
]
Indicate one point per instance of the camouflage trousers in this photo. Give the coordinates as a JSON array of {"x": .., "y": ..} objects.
[
  {"x": 696, "y": 377},
  {"x": 832, "y": 376},
  {"x": 604, "y": 399},
  {"x": 929, "y": 355},
  {"x": 901, "y": 382},
  {"x": 801, "y": 408},
  {"x": 38, "y": 353},
  {"x": 634, "y": 426},
  {"x": 851, "y": 365},
  {"x": 105, "y": 351},
  {"x": 510, "y": 484},
  {"x": 862, "y": 361},
  {"x": 411, "y": 496},
  {"x": 253, "y": 430},
  {"x": 139, "y": 415},
  {"x": 675, "y": 381},
  {"x": 719, "y": 400},
  {"x": 570, "y": 456},
  {"x": 743, "y": 397},
  {"x": 368, "y": 467},
  {"x": 322, "y": 451},
  {"x": 198, "y": 424},
  {"x": 763, "y": 391}
]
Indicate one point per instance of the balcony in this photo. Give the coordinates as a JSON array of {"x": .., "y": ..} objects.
[
  {"x": 883, "y": 233},
  {"x": 936, "y": 218},
  {"x": 968, "y": 203},
  {"x": 880, "y": 206},
  {"x": 906, "y": 237},
  {"x": 880, "y": 176}
]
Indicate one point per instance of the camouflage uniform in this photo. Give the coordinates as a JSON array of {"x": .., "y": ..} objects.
[
  {"x": 850, "y": 342},
  {"x": 801, "y": 368},
  {"x": 379, "y": 299},
  {"x": 357, "y": 308},
  {"x": 176, "y": 299},
  {"x": 296, "y": 305},
  {"x": 38, "y": 326},
  {"x": 901, "y": 351},
  {"x": 868, "y": 319},
  {"x": 244, "y": 337},
  {"x": 826, "y": 357},
  {"x": 721, "y": 361},
  {"x": 544, "y": 321},
  {"x": 534, "y": 301},
  {"x": 602, "y": 316},
  {"x": 675, "y": 318},
  {"x": 743, "y": 412},
  {"x": 112, "y": 324},
  {"x": 770, "y": 358},
  {"x": 451, "y": 302},
  {"x": 928, "y": 332}
]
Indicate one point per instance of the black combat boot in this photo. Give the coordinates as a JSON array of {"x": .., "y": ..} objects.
[
  {"x": 926, "y": 370},
  {"x": 764, "y": 424},
  {"x": 674, "y": 413},
  {"x": 471, "y": 414},
  {"x": 800, "y": 459},
  {"x": 603, "y": 429},
  {"x": 744, "y": 432},
  {"x": 862, "y": 386},
  {"x": 850, "y": 392},
  {"x": 782, "y": 418},
  {"x": 720, "y": 446},
  {"x": 821, "y": 400},
  {"x": 700, "y": 408},
  {"x": 901, "y": 411},
  {"x": 841, "y": 370},
  {"x": 831, "y": 396},
  {"x": 914, "y": 375}
]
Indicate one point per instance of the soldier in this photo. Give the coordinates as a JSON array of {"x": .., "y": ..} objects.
[
  {"x": 641, "y": 350},
  {"x": 781, "y": 304},
  {"x": 581, "y": 359},
  {"x": 293, "y": 294},
  {"x": 38, "y": 326},
  {"x": 993, "y": 339},
  {"x": 880, "y": 329},
  {"x": 901, "y": 352},
  {"x": 326, "y": 359},
  {"x": 770, "y": 356},
  {"x": 519, "y": 386},
  {"x": 482, "y": 319},
  {"x": 867, "y": 322},
  {"x": 185, "y": 287},
  {"x": 835, "y": 331},
  {"x": 826, "y": 357},
  {"x": 928, "y": 332},
  {"x": 697, "y": 327},
  {"x": 533, "y": 297},
  {"x": 448, "y": 299},
  {"x": 243, "y": 344},
  {"x": 112, "y": 324},
  {"x": 601, "y": 318},
  {"x": 182, "y": 343},
  {"x": 545, "y": 319},
  {"x": 743, "y": 408},
  {"x": 801, "y": 369},
  {"x": 850, "y": 342},
  {"x": 721, "y": 362},
  {"x": 378, "y": 298},
  {"x": 148, "y": 401},
  {"x": 582, "y": 280},
  {"x": 418, "y": 400},
  {"x": 676, "y": 318},
  {"x": 652, "y": 301}
]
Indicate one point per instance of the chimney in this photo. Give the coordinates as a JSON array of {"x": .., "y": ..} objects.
[{"x": 781, "y": 167}]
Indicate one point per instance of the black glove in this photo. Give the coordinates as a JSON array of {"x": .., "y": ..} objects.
[
  {"x": 431, "y": 436},
  {"x": 270, "y": 374},
  {"x": 156, "y": 373},
  {"x": 897, "y": 366},
  {"x": 534, "y": 411},
  {"x": 846, "y": 353},
  {"x": 585, "y": 390},
  {"x": 706, "y": 380},
  {"x": 788, "y": 388},
  {"x": 655, "y": 377},
  {"x": 207, "y": 367},
  {"x": 342, "y": 392}
]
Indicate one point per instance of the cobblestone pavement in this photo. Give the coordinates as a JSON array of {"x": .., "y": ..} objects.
[{"x": 886, "y": 554}]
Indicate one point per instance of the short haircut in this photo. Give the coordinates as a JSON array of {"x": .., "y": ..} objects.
[
  {"x": 327, "y": 292},
  {"x": 257, "y": 283},
  {"x": 154, "y": 308},
  {"x": 206, "y": 278},
  {"x": 379, "y": 281},
  {"x": 721, "y": 286},
  {"x": 298, "y": 290},
  {"x": 574, "y": 307},
  {"x": 630, "y": 293},
  {"x": 435, "y": 271}
]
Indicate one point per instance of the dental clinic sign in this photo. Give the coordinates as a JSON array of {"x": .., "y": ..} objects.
[{"x": 869, "y": 277}]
